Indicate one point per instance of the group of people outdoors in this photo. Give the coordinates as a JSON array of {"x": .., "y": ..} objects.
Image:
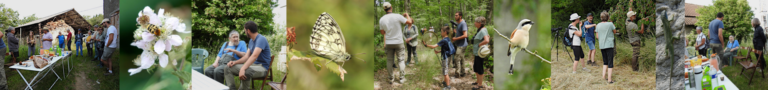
[
  {"x": 241, "y": 59},
  {"x": 603, "y": 34},
  {"x": 96, "y": 40},
  {"x": 712, "y": 43},
  {"x": 400, "y": 37}
]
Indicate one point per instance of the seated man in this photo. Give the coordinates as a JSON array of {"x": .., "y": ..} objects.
[
  {"x": 254, "y": 64},
  {"x": 730, "y": 50},
  {"x": 230, "y": 51}
]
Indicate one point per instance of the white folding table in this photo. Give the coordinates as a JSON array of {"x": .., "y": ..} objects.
[
  {"x": 202, "y": 82},
  {"x": 715, "y": 82},
  {"x": 50, "y": 67}
]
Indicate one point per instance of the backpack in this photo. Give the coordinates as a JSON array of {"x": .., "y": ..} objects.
[
  {"x": 568, "y": 37},
  {"x": 451, "y": 49}
]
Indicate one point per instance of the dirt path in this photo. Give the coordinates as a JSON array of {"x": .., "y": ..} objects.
[
  {"x": 623, "y": 76},
  {"x": 82, "y": 82},
  {"x": 427, "y": 75}
]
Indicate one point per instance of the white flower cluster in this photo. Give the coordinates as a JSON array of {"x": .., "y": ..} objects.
[{"x": 155, "y": 36}]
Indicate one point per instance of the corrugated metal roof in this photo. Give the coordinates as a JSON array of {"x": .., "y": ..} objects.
[{"x": 45, "y": 18}]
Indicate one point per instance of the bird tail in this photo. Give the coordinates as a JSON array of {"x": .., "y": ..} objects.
[{"x": 513, "y": 54}]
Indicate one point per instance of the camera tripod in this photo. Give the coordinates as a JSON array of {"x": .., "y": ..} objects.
[{"x": 556, "y": 38}]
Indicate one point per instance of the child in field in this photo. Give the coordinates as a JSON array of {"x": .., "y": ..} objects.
[{"x": 447, "y": 50}]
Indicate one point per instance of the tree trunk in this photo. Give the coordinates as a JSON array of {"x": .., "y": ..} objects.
[
  {"x": 489, "y": 13},
  {"x": 407, "y": 6}
]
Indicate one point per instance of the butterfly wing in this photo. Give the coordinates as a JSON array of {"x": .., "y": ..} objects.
[{"x": 327, "y": 39}]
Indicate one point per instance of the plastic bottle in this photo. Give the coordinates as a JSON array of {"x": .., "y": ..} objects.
[{"x": 706, "y": 80}]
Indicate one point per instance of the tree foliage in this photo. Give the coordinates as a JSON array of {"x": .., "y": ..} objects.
[
  {"x": 28, "y": 19},
  {"x": 94, "y": 19},
  {"x": 434, "y": 13},
  {"x": 8, "y": 17},
  {"x": 562, "y": 9},
  {"x": 214, "y": 18},
  {"x": 736, "y": 20}
]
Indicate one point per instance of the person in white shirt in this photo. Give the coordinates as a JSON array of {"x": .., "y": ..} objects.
[
  {"x": 573, "y": 31},
  {"x": 110, "y": 45},
  {"x": 391, "y": 25}
]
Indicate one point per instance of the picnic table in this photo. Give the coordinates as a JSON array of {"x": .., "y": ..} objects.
[
  {"x": 202, "y": 82},
  {"x": 715, "y": 82},
  {"x": 48, "y": 67}
]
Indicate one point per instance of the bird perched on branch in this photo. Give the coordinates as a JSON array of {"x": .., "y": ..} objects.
[{"x": 518, "y": 41}]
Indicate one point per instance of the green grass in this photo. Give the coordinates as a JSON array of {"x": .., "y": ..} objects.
[
  {"x": 647, "y": 57},
  {"x": 81, "y": 64},
  {"x": 742, "y": 80}
]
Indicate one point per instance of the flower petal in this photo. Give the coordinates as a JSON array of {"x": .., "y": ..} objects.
[
  {"x": 139, "y": 44},
  {"x": 163, "y": 60},
  {"x": 147, "y": 9},
  {"x": 160, "y": 12},
  {"x": 159, "y": 47},
  {"x": 175, "y": 40},
  {"x": 147, "y": 59},
  {"x": 171, "y": 23},
  {"x": 182, "y": 28},
  {"x": 168, "y": 45},
  {"x": 134, "y": 71},
  {"x": 146, "y": 37}
]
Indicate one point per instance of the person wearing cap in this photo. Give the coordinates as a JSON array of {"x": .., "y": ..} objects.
[
  {"x": 701, "y": 41},
  {"x": 391, "y": 25},
  {"x": 716, "y": 35},
  {"x": 460, "y": 42},
  {"x": 109, "y": 46},
  {"x": 634, "y": 39},
  {"x": 606, "y": 31},
  {"x": 589, "y": 28},
  {"x": 411, "y": 33},
  {"x": 573, "y": 31}
]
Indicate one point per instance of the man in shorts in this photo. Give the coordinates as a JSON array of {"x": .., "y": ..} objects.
[
  {"x": 111, "y": 45},
  {"x": 589, "y": 36}
]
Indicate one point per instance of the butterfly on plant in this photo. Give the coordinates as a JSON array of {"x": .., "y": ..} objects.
[{"x": 327, "y": 40}]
